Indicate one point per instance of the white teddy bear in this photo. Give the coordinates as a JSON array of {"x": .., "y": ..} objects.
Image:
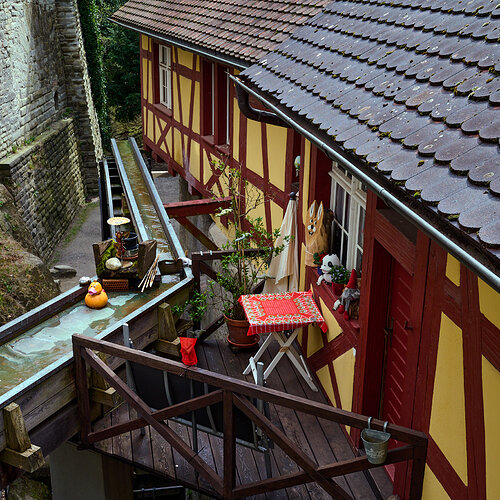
[{"x": 328, "y": 262}]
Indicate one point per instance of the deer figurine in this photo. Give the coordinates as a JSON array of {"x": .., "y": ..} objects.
[{"x": 316, "y": 237}]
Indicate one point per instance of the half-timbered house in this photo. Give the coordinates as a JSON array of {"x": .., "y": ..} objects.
[{"x": 392, "y": 109}]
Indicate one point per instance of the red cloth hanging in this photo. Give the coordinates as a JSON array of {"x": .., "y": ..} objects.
[{"x": 187, "y": 351}]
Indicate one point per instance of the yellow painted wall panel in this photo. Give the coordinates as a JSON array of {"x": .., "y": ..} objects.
[
  {"x": 150, "y": 133},
  {"x": 150, "y": 82},
  {"x": 254, "y": 147},
  {"x": 196, "y": 109},
  {"x": 185, "y": 84},
  {"x": 185, "y": 58},
  {"x": 334, "y": 329},
  {"x": 491, "y": 398},
  {"x": 254, "y": 197},
  {"x": 325, "y": 380},
  {"x": 175, "y": 98},
  {"x": 453, "y": 269},
  {"x": 157, "y": 129},
  {"x": 144, "y": 78},
  {"x": 169, "y": 141},
  {"x": 276, "y": 152},
  {"x": 315, "y": 340},
  {"x": 489, "y": 302},
  {"x": 307, "y": 168},
  {"x": 433, "y": 489},
  {"x": 302, "y": 268},
  {"x": 276, "y": 215},
  {"x": 194, "y": 160},
  {"x": 207, "y": 170},
  {"x": 145, "y": 42},
  {"x": 236, "y": 130},
  {"x": 447, "y": 426},
  {"x": 178, "y": 147},
  {"x": 300, "y": 336},
  {"x": 344, "y": 373}
]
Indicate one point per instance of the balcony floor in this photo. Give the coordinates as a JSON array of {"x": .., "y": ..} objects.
[{"x": 323, "y": 441}]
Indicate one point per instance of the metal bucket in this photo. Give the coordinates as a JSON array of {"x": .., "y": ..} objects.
[{"x": 376, "y": 443}]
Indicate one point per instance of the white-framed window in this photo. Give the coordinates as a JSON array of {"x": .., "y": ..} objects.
[
  {"x": 165, "y": 71},
  {"x": 348, "y": 203}
]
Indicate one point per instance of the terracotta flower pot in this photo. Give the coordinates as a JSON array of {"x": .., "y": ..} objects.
[{"x": 238, "y": 338}]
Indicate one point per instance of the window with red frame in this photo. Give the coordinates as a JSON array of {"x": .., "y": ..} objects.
[{"x": 216, "y": 95}]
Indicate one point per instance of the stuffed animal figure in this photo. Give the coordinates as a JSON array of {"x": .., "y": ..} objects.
[
  {"x": 350, "y": 294},
  {"x": 316, "y": 237},
  {"x": 328, "y": 262}
]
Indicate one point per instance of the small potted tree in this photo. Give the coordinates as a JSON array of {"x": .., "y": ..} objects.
[{"x": 249, "y": 250}]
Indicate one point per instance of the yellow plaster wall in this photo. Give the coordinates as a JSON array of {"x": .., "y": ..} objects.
[
  {"x": 334, "y": 329},
  {"x": 150, "y": 82},
  {"x": 170, "y": 141},
  {"x": 344, "y": 373},
  {"x": 177, "y": 147},
  {"x": 276, "y": 215},
  {"x": 302, "y": 269},
  {"x": 145, "y": 42},
  {"x": 194, "y": 160},
  {"x": 433, "y": 490},
  {"x": 491, "y": 398},
  {"x": 325, "y": 380},
  {"x": 276, "y": 150},
  {"x": 254, "y": 148},
  {"x": 175, "y": 99},
  {"x": 489, "y": 303},
  {"x": 453, "y": 269},
  {"x": 252, "y": 194},
  {"x": 447, "y": 426},
  {"x": 236, "y": 130},
  {"x": 196, "y": 109},
  {"x": 315, "y": 340},
  {"x": 185, "y": 58},
  {"x": 185, "y": 85},
  {"x": 144, "y": 77},
  {"x": 150, "y": 128}
]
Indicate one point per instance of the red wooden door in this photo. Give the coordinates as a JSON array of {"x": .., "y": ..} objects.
[{"x": 397, "y": 332}]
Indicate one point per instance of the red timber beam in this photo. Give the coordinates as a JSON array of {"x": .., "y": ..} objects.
[{"x": 183, "y": 209}]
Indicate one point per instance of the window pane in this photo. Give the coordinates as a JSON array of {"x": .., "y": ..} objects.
[
  {"x": 361, "y": 226},
  {"x": 359, "y": 259},
  {"x": 343, "y": 257},
  {"x": 347, "y": 209},
  {"x": 337, "y": 239},
  {"x": 339, "y": 204}
]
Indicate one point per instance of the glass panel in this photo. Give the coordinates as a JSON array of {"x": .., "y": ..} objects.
[
  {"x": 337, "y": 235},
  {"x": 343, "y": 257},
  {"x": 339, "y": 203},
  {"x": 347, "y": 210},
  {"x": 359, "y": 259},
  {"x": 361, "y": 226}
]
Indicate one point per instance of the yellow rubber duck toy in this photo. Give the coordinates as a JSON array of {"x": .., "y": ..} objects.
[{"x": 96, "y": 297}]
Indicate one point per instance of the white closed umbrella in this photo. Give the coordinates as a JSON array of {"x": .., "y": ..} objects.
[{"x": 283, "y": 273}]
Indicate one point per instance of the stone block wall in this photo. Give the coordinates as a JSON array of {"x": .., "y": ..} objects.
[
  {"x": 45, "y": 179},
  {"x": 43, "y": 77}
]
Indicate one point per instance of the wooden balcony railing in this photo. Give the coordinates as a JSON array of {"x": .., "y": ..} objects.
[{"x": 234, "y": 394}]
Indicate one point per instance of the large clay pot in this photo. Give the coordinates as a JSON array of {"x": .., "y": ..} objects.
[{"x": 238, "y": 338}]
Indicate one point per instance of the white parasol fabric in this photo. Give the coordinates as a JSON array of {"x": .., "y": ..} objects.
[{"x": 283, "y": 273}]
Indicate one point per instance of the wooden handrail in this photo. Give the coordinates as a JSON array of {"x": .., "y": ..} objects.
[{"x": 234, "y": 393}]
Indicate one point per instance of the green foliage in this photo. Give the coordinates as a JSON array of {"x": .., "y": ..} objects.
[
  {"x": 195, "y": 306},
  {"x": 244, "y": 267},
  {"x": 340, "y": 274}
]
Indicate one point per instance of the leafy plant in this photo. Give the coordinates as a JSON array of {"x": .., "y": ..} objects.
[
  {"x": 318, "y": 258},
  {"x": 195, "y": 306},
  {"x": 340, "y": 274},
  {"x": 250, "y": 246}
]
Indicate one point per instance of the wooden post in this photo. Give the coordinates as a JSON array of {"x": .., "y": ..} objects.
[
  {"x": 19, "y": 451},
  {"x": 82, "y": 392},
  {"x": 229, "y": 445},
  {"x": 417, "y": 471},
  {"x": 100, "y": 391},
  {"x": 168, "y": 341}
]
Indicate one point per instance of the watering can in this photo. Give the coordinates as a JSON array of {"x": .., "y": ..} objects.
[{"x": 376, "y": 443}]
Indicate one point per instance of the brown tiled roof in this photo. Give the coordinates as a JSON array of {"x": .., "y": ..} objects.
[
  {"x": 410, "y": 89},
  {"x": 243, "y": 29}
]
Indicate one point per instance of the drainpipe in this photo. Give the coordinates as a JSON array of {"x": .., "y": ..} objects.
[
  {"x": 481, "y": 270},
  {"x": 251, "y": 113}
]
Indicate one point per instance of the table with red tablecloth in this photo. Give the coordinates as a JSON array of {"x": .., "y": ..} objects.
[{"x": 277, "y": 313}]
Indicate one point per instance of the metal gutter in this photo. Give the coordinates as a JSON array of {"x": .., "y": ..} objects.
[
  {"x": 482, "y": 271},
  {"x": 257, "y": 115},
  {"x": 227, "y": 61}
]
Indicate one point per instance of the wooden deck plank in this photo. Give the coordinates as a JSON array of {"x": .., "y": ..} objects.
[
  {"x": 142, "y": 454},
  {"x": 106, "y": 445},
  {"x": 122, "y": 445},
  {"x": 163, "y": 461}
]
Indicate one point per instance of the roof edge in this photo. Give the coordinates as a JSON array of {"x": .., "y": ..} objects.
[
  {"x": 202, "y": 51},
  {"x": 483, "y": 267}
]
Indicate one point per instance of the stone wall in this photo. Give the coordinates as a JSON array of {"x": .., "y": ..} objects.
[
  {"x": 43, "y": 77},
  {"x": 45, "y": 179}
]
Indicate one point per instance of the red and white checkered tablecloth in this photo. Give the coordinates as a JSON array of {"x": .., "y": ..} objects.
[{"x": 276, "y": 312}]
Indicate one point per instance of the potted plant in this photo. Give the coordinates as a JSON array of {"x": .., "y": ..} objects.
[
  {"x": 340, "y": 277},
  {"x": 249, "y": 250}
]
